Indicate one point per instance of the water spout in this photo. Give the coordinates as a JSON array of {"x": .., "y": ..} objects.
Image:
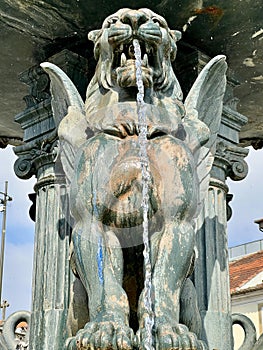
[{"x": 149, "y": 320}]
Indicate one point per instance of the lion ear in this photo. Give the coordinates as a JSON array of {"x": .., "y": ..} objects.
[
  {"x": 93, "y": 35},
  {"x": 176, "y": 35}
]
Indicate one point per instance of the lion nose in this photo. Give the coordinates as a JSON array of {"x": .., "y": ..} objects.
[{"x": 134, "y": 19}]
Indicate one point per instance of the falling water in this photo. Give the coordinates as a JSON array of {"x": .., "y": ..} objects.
[{"x": 149, "y": 320}]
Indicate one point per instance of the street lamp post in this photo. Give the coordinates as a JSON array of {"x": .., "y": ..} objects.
[
  {"x": 3, "y": 306},
  {"x": 3, "y": 209}
]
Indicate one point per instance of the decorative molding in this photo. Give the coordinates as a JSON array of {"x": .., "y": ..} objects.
[
  {"x": 36, "y": 121},
  {"x": 38, "y": 82},
  {"x": 231, "y": 124},
  {"x": 214, "y": 182}
]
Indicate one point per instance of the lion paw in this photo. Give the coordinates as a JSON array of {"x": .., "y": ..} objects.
[
  {"x": 103, "y": 336},
  {"x": 177, "y": 337},
  {"x": 169, "y": 337}
]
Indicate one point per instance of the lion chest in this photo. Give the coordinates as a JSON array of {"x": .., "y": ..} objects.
[{"x": 108, "y": 179}]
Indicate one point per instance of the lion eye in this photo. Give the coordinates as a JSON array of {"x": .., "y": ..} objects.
[
  {"x": 112, "y": 20},
  {"x": 159, "y": 21},
  {"x": 156, "y": 20}
]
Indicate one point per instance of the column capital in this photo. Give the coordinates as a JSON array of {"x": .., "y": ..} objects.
[
  {"x": 35, "y": 154},
  {"x": 232, "y": 158}
]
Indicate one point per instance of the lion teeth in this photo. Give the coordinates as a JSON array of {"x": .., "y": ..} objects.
[
  {"x": 121, "y": 47},
  {"x": 145, "y": 60},
  {"x": 123, "y": 59}
]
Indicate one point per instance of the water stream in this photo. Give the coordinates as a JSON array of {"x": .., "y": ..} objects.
[{"x": 144, "y": 160}]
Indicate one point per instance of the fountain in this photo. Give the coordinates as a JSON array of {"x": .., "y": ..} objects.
[{"x": 138, "y": 167}]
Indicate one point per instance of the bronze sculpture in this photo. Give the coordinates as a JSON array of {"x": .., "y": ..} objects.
[{"x": 99, "y": 154}]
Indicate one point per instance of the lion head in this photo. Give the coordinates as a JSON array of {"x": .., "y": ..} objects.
[{"x": 113, "y": 48}]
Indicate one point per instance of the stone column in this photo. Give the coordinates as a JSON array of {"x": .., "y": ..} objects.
[
  {"x": 51, "y": 272},
  {"x": 211, "y": 276},
  {"x": 38, "y": 156},
  {"x": 212, "y": 273}
]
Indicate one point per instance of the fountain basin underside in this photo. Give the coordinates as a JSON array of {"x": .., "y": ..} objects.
[{"x": 27, "y": 40}]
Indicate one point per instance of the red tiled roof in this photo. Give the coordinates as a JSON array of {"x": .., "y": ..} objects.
[
  {"x": 244, "y": 269},
  {"x": 22, "y": 324},
  {"x": 248, "y": 290}
]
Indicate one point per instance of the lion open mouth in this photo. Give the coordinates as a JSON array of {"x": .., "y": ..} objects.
[
  {"x": 125, "y": 53},
  {"x": 123, "y": 65},
  {"x": 115, "y": 53}
]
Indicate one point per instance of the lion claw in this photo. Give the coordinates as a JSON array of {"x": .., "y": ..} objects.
[{"x": 102, "y": 335}]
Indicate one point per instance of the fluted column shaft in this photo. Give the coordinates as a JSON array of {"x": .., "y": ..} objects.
[
  {"x": 50, "y": 294},
  {"x": 212, "y": 274}
]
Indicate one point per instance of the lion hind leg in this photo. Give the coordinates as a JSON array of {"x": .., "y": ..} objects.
[
  {"x": 170, "y": 272},
  {"x": 189, "y": 312},
  {"x": 170, "y": 269},
  {"x": 100, "y": 267}
]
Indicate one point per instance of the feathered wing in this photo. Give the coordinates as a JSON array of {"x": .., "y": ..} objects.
[
  {"x": 69, "y": 115},
  {"x": 204, "y": 104}
]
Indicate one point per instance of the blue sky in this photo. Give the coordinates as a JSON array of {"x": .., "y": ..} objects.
[
  {"x": 247, "y": 206},
  {"x": 19, "y": 236},
  {"x": 247, "y": 203}
]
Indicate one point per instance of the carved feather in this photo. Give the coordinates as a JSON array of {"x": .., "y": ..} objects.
[
  {"x": 69, "y": 115},
  {"x": 204, "y": 104}
]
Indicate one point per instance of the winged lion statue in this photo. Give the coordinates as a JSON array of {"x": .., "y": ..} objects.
[{"x": 100, "y": 157}]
